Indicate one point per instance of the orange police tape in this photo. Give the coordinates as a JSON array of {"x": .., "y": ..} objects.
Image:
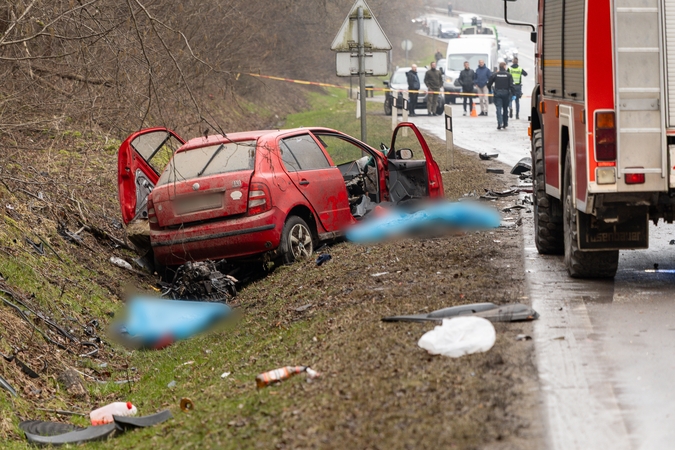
[{"x": 316, "y": 83}]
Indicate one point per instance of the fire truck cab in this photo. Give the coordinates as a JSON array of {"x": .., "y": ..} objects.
[{"x": 602, "y": 128}]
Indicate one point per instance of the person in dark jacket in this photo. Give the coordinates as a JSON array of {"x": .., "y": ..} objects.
[
  {"x": 483, "y": 74},
  {"x": 434, "y": 81},
  {"x": 503, "y": 90},
  {"x": 517, "y": 73},
  {"x": 466, "y": 78},
  {"x": 413, "y": 88}
]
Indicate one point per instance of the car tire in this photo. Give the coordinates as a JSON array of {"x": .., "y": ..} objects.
[
  {"x": 579, "y": 264},
  {"x": 548, "y": 224},
  {"x": 297, "y": 241},
  {"x": 387, "y": 105}
]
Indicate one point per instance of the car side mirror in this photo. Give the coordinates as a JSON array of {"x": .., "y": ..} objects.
[
  {"x": 386, "y": 83},
  {"x": 404, "y": 153}
]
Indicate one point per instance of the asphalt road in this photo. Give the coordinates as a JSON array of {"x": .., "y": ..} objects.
[{"x": 605, "y": 349}]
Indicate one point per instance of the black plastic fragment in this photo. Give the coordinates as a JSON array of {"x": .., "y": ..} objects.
[
  {"x": 5, "y": 385},
  {"x": 128, "y": 423},
  {"x": 43, "y": 428},
  {"x": 522, "y": 166},
  {"x": 93, "y": 433}
]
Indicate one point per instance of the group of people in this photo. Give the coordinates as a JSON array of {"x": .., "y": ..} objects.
[
  {"x": 507, "y": 86},
  {"x": 434, "y": 81}
]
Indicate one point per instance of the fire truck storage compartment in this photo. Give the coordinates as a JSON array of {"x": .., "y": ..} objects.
[{"x": 553, "y": 45}]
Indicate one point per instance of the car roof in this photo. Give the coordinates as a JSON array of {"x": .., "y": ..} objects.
[{"x": 216, "y": 139}]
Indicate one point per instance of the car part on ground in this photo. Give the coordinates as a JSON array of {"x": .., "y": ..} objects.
[
  {"x": 201, "y": 281},
  {"x": 515, "y": 312}
]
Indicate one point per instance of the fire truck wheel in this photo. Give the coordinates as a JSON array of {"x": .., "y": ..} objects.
[
  {"x": 548, "y": 226},
  {"x": 579, "y": 264}
]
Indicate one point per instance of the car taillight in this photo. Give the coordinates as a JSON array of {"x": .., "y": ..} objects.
[
  {"x": 152, "y": 216},
  {"x": 634, "y": 178},
  {"x": 605, "y": 136},
  {"x": 259, "y": 199}
]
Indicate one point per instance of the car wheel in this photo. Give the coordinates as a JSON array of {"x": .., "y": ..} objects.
[
  {"x": 579, "y": 264},
  {"x": 387, "y": 106},
  {"x": 297, "y": 242}
]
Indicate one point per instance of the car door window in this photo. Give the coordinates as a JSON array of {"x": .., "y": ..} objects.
[
  {"x": 302, "y": 153},
  {"x": 156, "y": 148}
]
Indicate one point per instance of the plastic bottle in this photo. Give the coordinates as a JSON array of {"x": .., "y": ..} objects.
[
  {"x": 104, "y": 414},
  {"x": 284, "y": 373}
]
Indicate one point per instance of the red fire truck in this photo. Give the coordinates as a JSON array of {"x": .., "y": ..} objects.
[{"x": 602, "y": 128}]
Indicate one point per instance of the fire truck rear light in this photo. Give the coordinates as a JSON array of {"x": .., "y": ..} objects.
[
  {"x": 605, "y": 136},
  {"x": 634, "y": 178},
  {"x": 605, "y": 175}
]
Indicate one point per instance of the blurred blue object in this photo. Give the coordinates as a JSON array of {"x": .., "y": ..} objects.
[
  {"x": 461, "y": 216},
  {"x": 157, "y": 322}
]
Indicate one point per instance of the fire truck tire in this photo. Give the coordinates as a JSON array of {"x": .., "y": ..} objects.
[
  {"x": 297, "y": 241},
  {"x": 548, "y": 227},
  {"x": 579, "y": 264}
]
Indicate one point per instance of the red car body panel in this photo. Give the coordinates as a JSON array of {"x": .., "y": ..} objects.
[{"x": 209, "y": 217}]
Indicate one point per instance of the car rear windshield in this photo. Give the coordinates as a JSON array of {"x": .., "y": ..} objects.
[
  {"x": 211, "y": 160},
  {"x": 456, "y": 61}
]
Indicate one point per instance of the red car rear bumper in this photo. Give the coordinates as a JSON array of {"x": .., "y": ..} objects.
[{"x": 231, "y": 238}]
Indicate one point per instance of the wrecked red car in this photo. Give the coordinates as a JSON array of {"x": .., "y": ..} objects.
[{"x": 270, "y": 195}]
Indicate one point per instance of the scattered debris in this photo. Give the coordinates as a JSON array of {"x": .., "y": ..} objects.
[
  {"x": 488, "y": 156},
  {"x": 284, "y": 373},
  {"x": 506, "y": 313},
  {"x": 494, "y": 170},
  {"x": 156, "y": 323},
  {"x": 322, "y": 259},
  {"x": 514, "y": 207},
  {"x": 379, "y": 274},
  {"x": 119, "y": 262},
  {"x": 459, "y": 336},
  {"x": 37, "y": 246},
  {"x": 672, "y": 242},
  {"x": 186, "y": 404},
  {"x": 225, "y": 374},
  {"x": 104, "y": 414},
  {"x": 57, "y": 433},
  {"x": 8, "y": 387},
  {"x": 522, "y": 166},
  {"x": 172, "y": 384},
  {"x": 523, "y": 337},
  {"x": 303, "y": 308},
  {"x": 201, "y": 281}
]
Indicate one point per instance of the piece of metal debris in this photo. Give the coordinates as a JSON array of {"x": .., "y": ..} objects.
[
  {"x": 488, "y": 156},
  {"x": 201, "y": 281},
  {"x": 8, "y": 387},
  {"x": 523, "y": 337},
  {"x": 494, "y": 170},
  {"x": 506, "y": 313},
  {"x": 522, "y": 166}
]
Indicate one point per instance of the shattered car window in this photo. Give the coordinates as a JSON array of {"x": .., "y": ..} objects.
[
  {"x": 156, "y": 148},
  {"x": 233, "y": 156},
  {"x": 302, "y": 153}
]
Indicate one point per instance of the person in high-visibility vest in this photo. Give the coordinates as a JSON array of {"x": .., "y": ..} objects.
[{"x": 517, "y": 73}]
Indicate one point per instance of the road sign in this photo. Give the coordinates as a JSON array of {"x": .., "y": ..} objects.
[
  {"x": 347, "y": 38},
  {"x": 406, "y": 45},
  {"x": 348, "y": 64}
]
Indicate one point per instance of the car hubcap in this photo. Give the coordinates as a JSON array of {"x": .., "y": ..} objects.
[{"x": 301, "y": 242}]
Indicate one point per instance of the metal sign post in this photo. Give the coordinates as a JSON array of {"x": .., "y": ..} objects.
[
  {"x": 361, "y": 50},
  {"x": 362, "y": 74}
]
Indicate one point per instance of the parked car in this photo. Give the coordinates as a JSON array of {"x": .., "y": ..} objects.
[
  {"x": 507, "y": 50},
  {"x": 399, "y": 83},
  {"x": 471, "y": 50},
  {"x": 448, "y": 31},
  {"x": 263, "y": 195}
]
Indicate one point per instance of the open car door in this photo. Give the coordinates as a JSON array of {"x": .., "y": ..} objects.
[
  {"x": 140, "y": 161},
  {"x": 413, "y": 173}
]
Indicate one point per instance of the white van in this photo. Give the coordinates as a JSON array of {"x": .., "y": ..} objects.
[{"x": 472, "y": 50}]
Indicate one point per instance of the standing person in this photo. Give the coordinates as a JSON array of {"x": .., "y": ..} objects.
[
  {"x": 449, "y": 8},
  {"x": 517, "y": 73},
  {"x": 434, "y": 81},
  {"x": 438, "y": 55},
  {"x": 413, "y": 88},
  {"x": 482, "y": 76},
  {"x": 466, "y": 77},
  {"x": 503, "y": 89}
]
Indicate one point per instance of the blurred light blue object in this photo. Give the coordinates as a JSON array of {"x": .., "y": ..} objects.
[
  {"x": 150, "y": 321},
  {"x": 463, "y": 216}
]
